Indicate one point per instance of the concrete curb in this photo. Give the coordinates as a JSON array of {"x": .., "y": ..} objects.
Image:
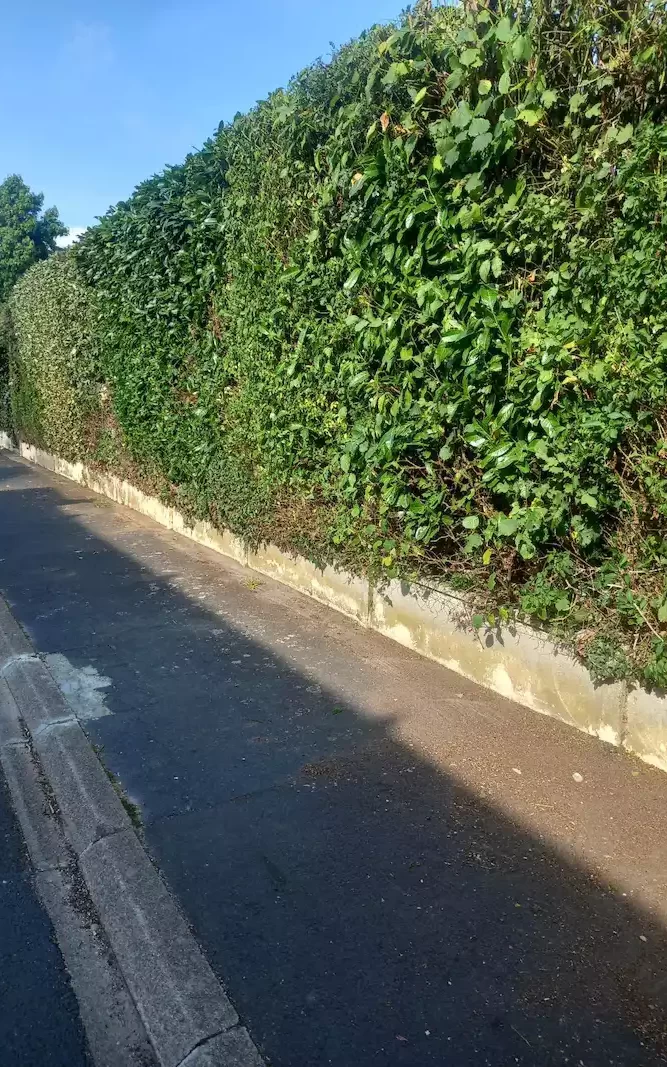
[
  {"x": 150, "y": 997},
  {"x": 116, "y": 1037},
  {"x": 516, "y": 662},
  {"x": 177, "y": 995}
]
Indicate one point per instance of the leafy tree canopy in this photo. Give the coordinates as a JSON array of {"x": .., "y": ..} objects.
[{"x": 27, "y": 233}]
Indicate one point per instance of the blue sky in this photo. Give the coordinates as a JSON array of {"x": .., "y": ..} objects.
[{"x": 96, "y": 96}]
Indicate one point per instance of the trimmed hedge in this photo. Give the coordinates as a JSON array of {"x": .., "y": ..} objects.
[
  {"x": 409, "y": 314},
  {"x": 54, "y": 379},
  {"x": 5, "y": 349}
]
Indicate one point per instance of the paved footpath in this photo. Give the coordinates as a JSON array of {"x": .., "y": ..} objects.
[
  {"x": 385, "y": 864},
  {"x": 39, "y": 1018}
]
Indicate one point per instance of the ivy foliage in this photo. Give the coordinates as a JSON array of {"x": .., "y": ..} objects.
[
  {"x": 411, "y": 314},
  {"x": 6, "y": 337},
  {"x": 54, "y": 390},
  {"x": 27, "y": 235}
]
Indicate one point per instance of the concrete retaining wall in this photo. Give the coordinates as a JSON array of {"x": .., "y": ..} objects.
[{"x": 517, "y": 662}]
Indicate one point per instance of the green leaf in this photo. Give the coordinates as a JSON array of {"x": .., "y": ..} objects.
[
  {"x": 484, "y": 87},
  {"x": 395, "y": 73},
  {"x": 478, "y": 621},
  {"x": 358, "y": 378},
  {"x": 481, "y": 143},
  {"x": 473, "y": 541},
  {"x": 530, "y": 116},
  {"x": 351, "y": 281},
  {"x": 662, "y": 612},
  {"x": 522, "y": 48},
  {"x": 471, "y": 522},
  {"x": 452, "y": 157},
  {"x": 508, "y": 526},
  {"x": 461, "y": 115},
  {"x": 624, "y": 134},
  {"x": 505, "y": 83},
  {"x": 470, "y": 57},
  {"x": 477, "y": 126},
  {"x": 504, "y": 30}
]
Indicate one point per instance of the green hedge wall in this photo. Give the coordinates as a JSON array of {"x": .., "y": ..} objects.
[
  {"x": 5, "y": 349},
  {"x": 409, "y": 314},
  {"x": 54, "y": 388}
]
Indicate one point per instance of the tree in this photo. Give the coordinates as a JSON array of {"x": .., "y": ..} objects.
[{"x": 26, "y": 232}]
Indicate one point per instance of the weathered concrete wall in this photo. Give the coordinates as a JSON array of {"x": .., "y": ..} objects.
[
  {"x": 517, "y": 662},
  {"x": 330, "y": 586},
  {"x": 646, "y": 733}
]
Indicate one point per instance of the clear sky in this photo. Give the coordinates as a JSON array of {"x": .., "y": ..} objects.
[{"x": 96, "y": 95}]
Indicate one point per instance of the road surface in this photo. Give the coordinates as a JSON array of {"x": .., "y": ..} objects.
[{"x": 384, "y": 863}]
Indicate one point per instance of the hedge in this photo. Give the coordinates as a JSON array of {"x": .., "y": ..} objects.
[
  {"x": 54, "y": 387},
  {"x": 409, "y": 315}
]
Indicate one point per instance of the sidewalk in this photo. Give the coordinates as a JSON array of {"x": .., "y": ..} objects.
[{"x": 384, "y": 863}]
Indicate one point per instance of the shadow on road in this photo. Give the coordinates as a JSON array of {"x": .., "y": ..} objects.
[{"x": 361, "y": 905}]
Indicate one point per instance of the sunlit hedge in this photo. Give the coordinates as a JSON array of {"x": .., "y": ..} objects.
[{"x": 409, "y": 314}]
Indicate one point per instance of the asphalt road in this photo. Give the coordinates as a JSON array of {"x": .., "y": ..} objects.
[
  {"x": 39, "y": 1017},
  {"x": 385, "y": 864}
]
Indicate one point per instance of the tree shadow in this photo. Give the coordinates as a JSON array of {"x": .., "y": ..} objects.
[{"x": 360, "y": 903}]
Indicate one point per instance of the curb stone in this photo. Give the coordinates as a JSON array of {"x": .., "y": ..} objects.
[
  {"x": 40, "y": 700},
  {"x": 150, "y": 998},
  {"x": 519, "y": 662},
  {"x": 89, "y": 805},
  {"x": 175, "y": 990},
  {"x": 38, "y": 821},
  {"x": 234, "y": 1049},
  {"x": 11, "y": 731},
  {"x": 116, "y": 1036}
]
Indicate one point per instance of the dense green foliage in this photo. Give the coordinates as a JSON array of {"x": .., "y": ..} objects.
[
  {"x": 5, "y": 349},
  {"x": 411, "y": 314},
  {"x": 54, "y": 393},
  {"x": 27, "y": 233}
]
